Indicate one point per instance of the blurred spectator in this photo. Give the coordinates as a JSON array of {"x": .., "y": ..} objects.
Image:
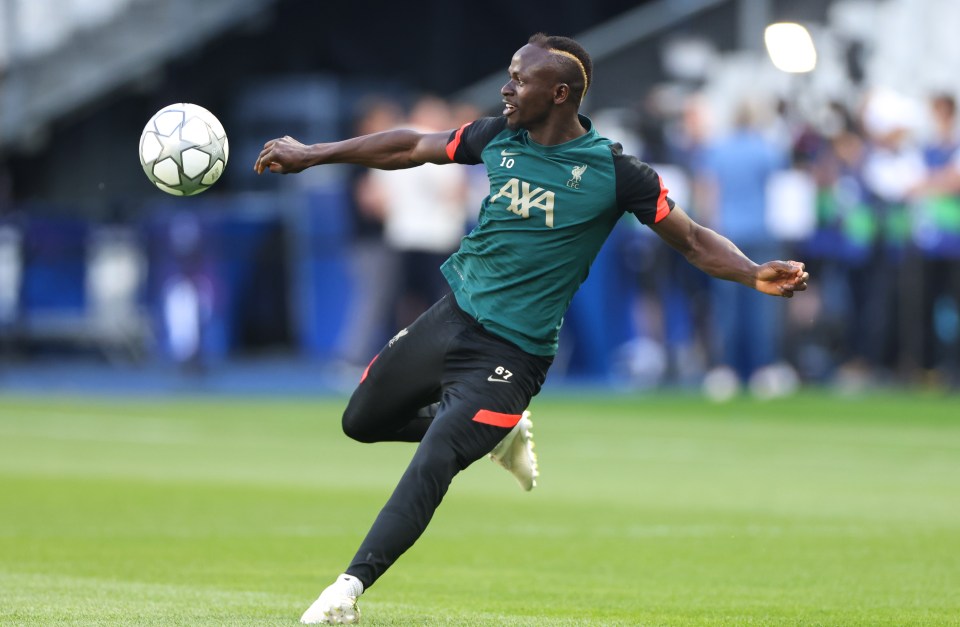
[
  {"x": 892, "y": 166},
  {"x": 685, "y": 289},
  {"x": 676, "y": 292},
  {"x": 746, "y": 341},
  {"x": 936, "y": 222},
  {"x": 424, "y": 216},
  {"x": 839, "y": 245},
  {"x": 687, "y": 139},
  {"x": 653, "y": 124},
  {"x": 187, "y": 292},
  {"x": 372, "y": 266},
  {"x": 941, "y": 149}
]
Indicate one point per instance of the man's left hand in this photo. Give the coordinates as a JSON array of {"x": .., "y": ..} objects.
[{"x": 781, "y": 278}]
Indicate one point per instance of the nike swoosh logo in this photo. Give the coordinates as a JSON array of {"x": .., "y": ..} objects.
[
  {"x": 490, "y": 378},
  {"x": 504, "y": 153}
]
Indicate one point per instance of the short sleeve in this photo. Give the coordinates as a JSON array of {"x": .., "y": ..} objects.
[
  {"x": 467, "y": 142},
  {"x": 640, "y": 190}
]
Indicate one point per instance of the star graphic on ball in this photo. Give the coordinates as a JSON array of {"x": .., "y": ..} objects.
[
  {"x": 214, "y": 148},
  {"x": 172, "y": 146}
]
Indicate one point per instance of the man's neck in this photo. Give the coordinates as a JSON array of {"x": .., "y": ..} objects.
[{"x": 558, "y": 133}]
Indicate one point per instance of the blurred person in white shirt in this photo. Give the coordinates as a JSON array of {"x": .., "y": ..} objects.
[{"x": 424, "y": 216}]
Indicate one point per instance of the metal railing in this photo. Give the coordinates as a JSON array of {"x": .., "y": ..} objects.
[{"x": 35, "y": 91}]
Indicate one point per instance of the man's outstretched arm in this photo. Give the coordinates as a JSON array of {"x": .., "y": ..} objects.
[
  {"x": 389, "y": 150},
  {"x": 720, "y": 258}
]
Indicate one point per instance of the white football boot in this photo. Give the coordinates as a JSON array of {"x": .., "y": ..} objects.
[
  {"x": 337, "y": 604},
  {"x": 515, "y": 453}
]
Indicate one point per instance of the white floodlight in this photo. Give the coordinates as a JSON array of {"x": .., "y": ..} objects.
[{"x": 790, "y": 47}]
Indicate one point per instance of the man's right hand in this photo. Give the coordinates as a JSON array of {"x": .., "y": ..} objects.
[{"x": 283, "y": 155}]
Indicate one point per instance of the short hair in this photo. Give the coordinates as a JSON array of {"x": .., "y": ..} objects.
[{"x": 577, "y": 67}]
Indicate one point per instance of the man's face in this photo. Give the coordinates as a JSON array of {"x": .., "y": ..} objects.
[{"x": 528, "y": 94}]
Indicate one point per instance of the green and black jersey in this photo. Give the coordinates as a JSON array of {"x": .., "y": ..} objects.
[{"x": 549, "y": 211}]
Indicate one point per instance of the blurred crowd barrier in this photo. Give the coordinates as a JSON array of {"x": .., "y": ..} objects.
[
  {"x": 870, "y": 203},
  {"x": 866, "y": 194}
]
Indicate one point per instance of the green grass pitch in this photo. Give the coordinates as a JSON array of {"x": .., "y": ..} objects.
[{"x": 651, "y": 510}]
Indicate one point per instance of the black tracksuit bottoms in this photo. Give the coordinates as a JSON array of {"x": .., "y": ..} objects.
[{"x": 482, "y": 384}]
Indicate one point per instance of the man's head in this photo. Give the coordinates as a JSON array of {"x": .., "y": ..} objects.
[
  {"x": 575, "y": 65},
  {"x": 550, "y": 73}
]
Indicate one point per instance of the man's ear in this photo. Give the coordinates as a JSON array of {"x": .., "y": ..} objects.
[{"x": 561, "y": 93}]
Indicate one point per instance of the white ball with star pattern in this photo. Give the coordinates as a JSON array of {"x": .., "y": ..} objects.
[{"x": 183, "y": 149}]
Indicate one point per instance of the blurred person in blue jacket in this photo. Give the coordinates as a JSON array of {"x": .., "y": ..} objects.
[{"x": 746, "y": 330}]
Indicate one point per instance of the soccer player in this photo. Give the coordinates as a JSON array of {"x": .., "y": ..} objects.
[{"x": 557, "y": 187}]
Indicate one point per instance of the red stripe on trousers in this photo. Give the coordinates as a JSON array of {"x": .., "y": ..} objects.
[
  {"x": 497, "y": 419},
  {"x": 367, "y": 371}
]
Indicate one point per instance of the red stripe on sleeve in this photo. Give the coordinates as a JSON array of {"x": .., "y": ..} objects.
[
  {"x": 453, "y": 145},
  {"x": 367, "y": 370},
  {"x": 497, "y": 419},
  {"x": 662, "y": 207}
]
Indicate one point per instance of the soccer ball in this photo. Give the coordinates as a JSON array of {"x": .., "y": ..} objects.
[{"x": 183, "y": 149}]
